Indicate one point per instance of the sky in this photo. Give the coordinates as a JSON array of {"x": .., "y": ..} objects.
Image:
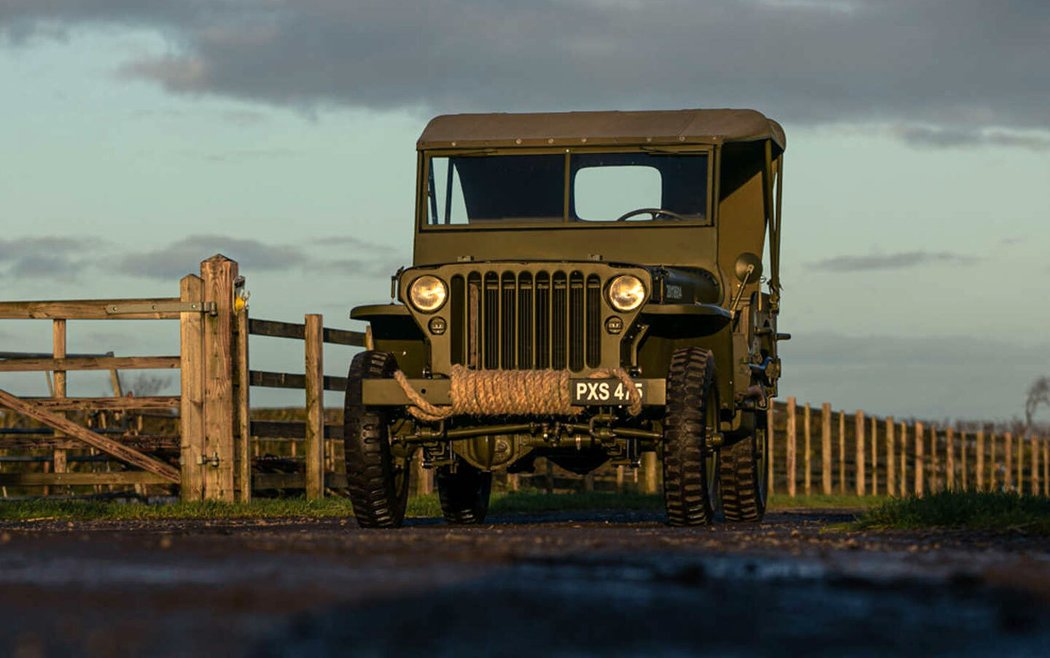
[{"x": 139, "y": 137}]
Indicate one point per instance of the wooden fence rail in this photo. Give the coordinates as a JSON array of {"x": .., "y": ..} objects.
[{"x": 890, "y": 457}]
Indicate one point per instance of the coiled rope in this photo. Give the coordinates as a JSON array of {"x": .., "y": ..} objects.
[{"x": 510, "y": 393}]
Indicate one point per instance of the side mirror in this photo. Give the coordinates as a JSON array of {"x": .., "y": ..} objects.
[{"x": 748, "y": 268}]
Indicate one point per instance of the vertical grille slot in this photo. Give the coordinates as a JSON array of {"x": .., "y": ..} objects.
[
  {"x": 543, "y": 320},
  {"x": 474, "y": 310},
  {"x": 576, "y": 318},
  {"x": 526, "y": 335},
  {"x": 458, "y": 319},
  {"x": 559, "y": 320},
  {"x": 490, "y": 311},
  {"x": 594, "y": 320},
  {"x": 508, "y": 326}
]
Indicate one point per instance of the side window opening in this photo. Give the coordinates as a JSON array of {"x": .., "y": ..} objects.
[
  {"x": 606, "y": 193},
  {"x": 637, "y": 186},
  {"x": 445, "y": 203}
]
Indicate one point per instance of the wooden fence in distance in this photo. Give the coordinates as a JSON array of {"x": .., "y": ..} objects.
[{"x": 837, "y": 452}]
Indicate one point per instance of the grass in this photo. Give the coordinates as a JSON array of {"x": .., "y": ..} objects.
[
  {"x": 85, "y": 510},
  {"x": 997, "y": 512},
  {"x": 419, "y": 506},
  {"x": 525, "y": 502},
  {"x": 820, "y": 501}
]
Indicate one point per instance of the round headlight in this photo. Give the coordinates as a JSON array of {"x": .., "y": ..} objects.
[
  {"x": 626, "y": 292},
  {"x": 427, "y": 293}
]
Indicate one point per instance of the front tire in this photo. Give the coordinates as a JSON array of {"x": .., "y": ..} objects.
[
  {"x": 692, "y": 410},
  {"x": 742, "y": 478},
  {"x": 464, "y": 494},
  {"x": 377, "y": 481}
]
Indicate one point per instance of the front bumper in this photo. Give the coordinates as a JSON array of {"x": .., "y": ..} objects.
[{"x": 387, "y": 392}]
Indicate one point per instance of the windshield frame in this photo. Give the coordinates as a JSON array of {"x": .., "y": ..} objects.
[{"x": 423, "y": 177}]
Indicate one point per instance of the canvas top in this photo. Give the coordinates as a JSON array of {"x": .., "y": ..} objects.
[{"x": 658, "y": 127}]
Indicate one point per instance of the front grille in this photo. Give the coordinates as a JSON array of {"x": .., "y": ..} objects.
[{"x": 526, "y": 320}]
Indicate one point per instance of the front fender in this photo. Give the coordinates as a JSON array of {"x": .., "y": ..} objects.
[
  {"x": 394, "y": 330},
  {"x": 683, "y": 320}
]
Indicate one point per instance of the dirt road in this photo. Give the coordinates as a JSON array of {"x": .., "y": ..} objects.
[{"x": 560, "y": 584}]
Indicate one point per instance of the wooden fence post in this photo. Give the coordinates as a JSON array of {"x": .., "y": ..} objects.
[
  {"x": 1034, "y": 448},
  {"x": 1046, "y": 467},
  {"x": 422, "y": 476},
  {"x": 904, "y": 460},
  {"x": 244, "y": 421},
  {"x": 807, "y": 463},
  {"x": 935, "y": 466},
  {"x": 191, "y": 411},
  {"x": 771, "y": 456},
  {"x": 314, "y": 445},
  {"x": 791, "y": 444},
  {"x": 58, "y": 341},
  {"x": 964, "y": 475},
  {"x": 842, "y": 453},
  {"x": 650, "y": 479},
  {"x": 993, "y": 476},
  {"x": 858, "y": 432},
  {"x": 949, "y": 461},
  {"x": 920, "y": 466},
  {"x": 891, "y": 459},
  {"x": 1008, "y": 452},
  {"x": 874, "y": 456},
  {"x": 825, "y": 448},
  {"x": 218, "y": 274},
  {"x": 1020, "y": 464},
  {"x": 980, "y": 460}
]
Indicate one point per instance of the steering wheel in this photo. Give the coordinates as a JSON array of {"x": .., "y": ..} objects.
[{"x": 655, "y": 212}]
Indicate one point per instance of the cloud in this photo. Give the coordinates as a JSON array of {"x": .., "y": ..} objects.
[
  {"x": 894, "y": 261},
  {"x": 944, "y": 138},
  {"x": 348, "y": 241},
  {"x": 950, "y": 65},
  {"x": 179, "y": 258},
  {"x": 250, "y": 154},
  {"x": 364, "y": 266},
  {"x": 64, "y": 258},
  {"x": 360, "y": 257},
  {"x": 43, "y": 258}
]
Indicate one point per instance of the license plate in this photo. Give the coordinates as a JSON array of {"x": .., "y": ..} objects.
[{"x": 602, "y": 391}]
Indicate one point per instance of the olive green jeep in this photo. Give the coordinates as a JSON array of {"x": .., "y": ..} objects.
[{"x": 585, "y": 287}]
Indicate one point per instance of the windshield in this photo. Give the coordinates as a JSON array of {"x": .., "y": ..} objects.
[{"x": 556, "y": 188}]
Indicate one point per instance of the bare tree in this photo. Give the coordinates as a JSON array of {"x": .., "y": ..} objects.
[
  {"x": 1038, "y": 394},
  {"x": 144, "y": 385}
]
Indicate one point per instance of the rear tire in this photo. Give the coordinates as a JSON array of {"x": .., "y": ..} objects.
[
  {"x": 742, "y": 478},
  {"x": 464, "y": 495},
  {"x": 377, "y": 481},
  {"x": 692, "y": 408}
]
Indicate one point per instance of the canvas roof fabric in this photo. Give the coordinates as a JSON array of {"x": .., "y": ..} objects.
[{"x": 600, "y": 128}]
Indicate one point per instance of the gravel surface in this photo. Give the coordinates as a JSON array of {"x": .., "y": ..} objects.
[{"x": 555, "y": 584}]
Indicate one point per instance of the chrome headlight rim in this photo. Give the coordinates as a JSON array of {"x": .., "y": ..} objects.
[
  {"x": 431, "y": 299},
  {"x": 626, "y": 293}
]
